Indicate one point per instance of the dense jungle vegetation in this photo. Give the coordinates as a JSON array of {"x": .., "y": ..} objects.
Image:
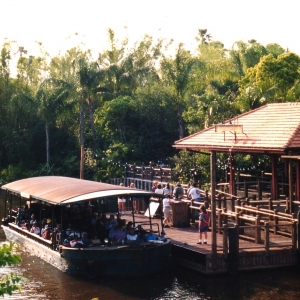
[{"x": 76, "y": 116}]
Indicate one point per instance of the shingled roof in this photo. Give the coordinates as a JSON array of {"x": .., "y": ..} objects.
[{"x": 270, "y": 129}]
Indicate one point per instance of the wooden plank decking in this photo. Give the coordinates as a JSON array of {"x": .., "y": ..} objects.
[{"x": 188, "y": 253}]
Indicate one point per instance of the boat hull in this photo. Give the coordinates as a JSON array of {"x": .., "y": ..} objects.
[{"x": 125, "y": 261}]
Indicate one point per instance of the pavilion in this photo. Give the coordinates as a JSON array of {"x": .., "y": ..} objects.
[{"x": 273, "y": 130}]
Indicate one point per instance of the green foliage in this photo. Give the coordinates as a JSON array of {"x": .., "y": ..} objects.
[
  {"x": 130, "y": 104},
  {"x": 271, "y": 80},
  {"x": 12, "y": 282}
]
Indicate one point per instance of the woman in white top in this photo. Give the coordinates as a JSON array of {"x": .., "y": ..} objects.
[
  {"x": 166, "y": 210},
  {"x": 167, "y": 189},
  {"x": 159, "y": 190}
]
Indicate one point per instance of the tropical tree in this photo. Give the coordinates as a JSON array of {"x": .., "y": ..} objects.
[
  {"x": 272, "y": 80},
  {"x": 178, "y": 74}
]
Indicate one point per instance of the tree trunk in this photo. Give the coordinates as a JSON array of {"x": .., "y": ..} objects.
[
  {"x": 91, "y": 115},
  {"x": 47, "y": 146},
  {"x": 81, "y": 120},
  {"x": 180, "y": 121}
]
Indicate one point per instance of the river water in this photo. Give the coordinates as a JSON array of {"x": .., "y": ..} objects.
[{"x": 46, "y": 282}]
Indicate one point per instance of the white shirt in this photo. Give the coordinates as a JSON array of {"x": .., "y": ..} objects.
[
  {"x": 35, "y": 230},
  {"x": 159, "y": 191},
  {"x": 167, "y": 191},
  {"x": 131, "y": 237},
  {"x": 166, "y": 202},
  {"x": 195, "y": 193}
]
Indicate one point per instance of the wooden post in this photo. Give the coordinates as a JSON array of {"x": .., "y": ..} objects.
[
  {"x": 267, "y": 239},
  {"x": 290, "y": 186},
  {"x": 224, "y": 201},
  {"x": 275, "y": 221},
  {"x": 270, "y": 206},
  {"x": 213, "y": 184},
  {"x": 225, "y": 241},
  {"x": 297, "y": 180},
  {"x": 233, "y": 255},
  {"x": 219, "y": 220},
  {"x": 225, "y": 217},
  {"x": 298, "y": 236},
  {"x": 219, "y": 201},
  {"x": 294, "y": 237},
  {"x": 274, "y": 189},
  {"x": 232, "y": 204},
  {"x": 231, "y": 178},
  {"x": 259, "y": 190},
  {"x": 245, "y": 189},
  {"x": 258, "y": 230}
]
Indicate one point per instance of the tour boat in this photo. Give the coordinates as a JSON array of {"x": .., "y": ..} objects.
[{"x": 53, "y": 195}]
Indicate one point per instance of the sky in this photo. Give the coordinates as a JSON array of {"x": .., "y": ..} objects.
[{"x": 55, "y": 22}]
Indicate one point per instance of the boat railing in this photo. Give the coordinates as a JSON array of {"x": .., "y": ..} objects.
[
  {"x": 33, "y": 236},
  {"x": 146, "y": 226}
]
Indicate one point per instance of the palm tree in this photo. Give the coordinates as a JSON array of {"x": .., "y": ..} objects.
[{"x": 178, "y": 73}]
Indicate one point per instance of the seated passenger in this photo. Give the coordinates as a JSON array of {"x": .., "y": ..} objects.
[
  {"x": 25, "y": 226},
  {"x": 76, "y": 243},
  {"x": 35, "y": 229},
  {"x": 162, "y": 237},
  {"x": 96, "y": 241},
  {"x": 131, "y": 236},
  {"x": 86, "y": 241},
  {"x": 70, "y": 229},
  {"x": 118, "y": 235},
  {"x": 66, "y": 243},
  {"x": 77, "y": 233},
  {"x": 47, "y": 233},
  {"x": 151, "y": 236}
]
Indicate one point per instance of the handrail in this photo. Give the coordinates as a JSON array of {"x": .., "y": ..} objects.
[{"x": 47, "y": 243}]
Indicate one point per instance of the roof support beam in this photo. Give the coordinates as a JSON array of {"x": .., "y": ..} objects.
[{"x": 213, "y": 184}]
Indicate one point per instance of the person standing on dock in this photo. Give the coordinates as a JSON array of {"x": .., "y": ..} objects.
[
  {"x": 166, "y": 210},
  {"x": 178, "y": 192},
  {"x": 203, "y": 224},
  {"x": 195, "y": 196}
]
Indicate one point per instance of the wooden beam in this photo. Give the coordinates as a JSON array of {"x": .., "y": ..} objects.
[{"x": 213, "y": 182}]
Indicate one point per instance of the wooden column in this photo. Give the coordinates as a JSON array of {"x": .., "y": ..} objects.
[
  {"x": 274, "y": 190},
  {"x": 297, "y": 180},
  {"x": 213, "y": 184},
  {"x": 231, "y": 179},
  {"x": 290, "y": 186}
]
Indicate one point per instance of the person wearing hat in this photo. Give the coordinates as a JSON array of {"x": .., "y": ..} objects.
[
  {"x": 162, "y": 236},
  {"x": 151, "y": 236},
  {"x": 178, "y": 192}
]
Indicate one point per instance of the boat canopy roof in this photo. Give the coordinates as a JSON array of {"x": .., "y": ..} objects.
[{"x": 63, "y": 190}]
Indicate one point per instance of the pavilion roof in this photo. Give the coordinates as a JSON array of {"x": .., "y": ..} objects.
[{"x": 270, "y": 129}]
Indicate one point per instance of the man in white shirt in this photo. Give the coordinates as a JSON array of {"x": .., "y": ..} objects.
[{"x": 195, "y": 196}]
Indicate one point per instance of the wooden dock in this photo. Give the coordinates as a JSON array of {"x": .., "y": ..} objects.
[{"x": 240, "y": 255}]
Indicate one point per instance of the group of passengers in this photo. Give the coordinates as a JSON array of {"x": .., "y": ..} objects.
[
  {"x": 42, "y": 229},
  {"x": 95, "y": 227},
  {"x": 117, "y": 231}
]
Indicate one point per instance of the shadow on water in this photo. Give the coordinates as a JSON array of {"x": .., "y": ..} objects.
[{"x": 46, "y": 282}]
